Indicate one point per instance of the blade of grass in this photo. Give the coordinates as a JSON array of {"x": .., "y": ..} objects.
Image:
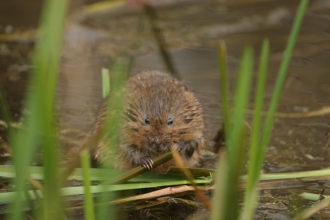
[
  {"x": 21, "y": 160},
  {"x": 32, "y": 206},
  {"x": 312, "y": 196},
  {"x": 98, "y": 8},
  {"x": 234, "y": 170},
  {"x": 40, "y": 103},
  {"x": 97, "y": 174},
  {"x": 254, "y": 168},
  {"x": 8, "y": 171},
  {"x": 119, "y": 73},
  {"x": 265, "y": 137},
  {"x": 47, "y": 59},
  {"x": 236, "y": 137},
  {"x": 241, "y": 100},
  {"x": 235, "y": 143},
  {"x": 88, "y": 199},
  {"x": 224, "y": 87},
  {"x": 218, "y": 202},
  {"x": 105, "y": 82},
  {"x": 250, "y": 205},
  {"x": 79, "y": 190}
]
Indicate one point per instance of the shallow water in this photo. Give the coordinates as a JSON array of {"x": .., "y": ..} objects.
[{"x": 192, "y": 30}]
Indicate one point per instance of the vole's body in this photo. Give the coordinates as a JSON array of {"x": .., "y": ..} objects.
[{"x": 158, "y": 112}]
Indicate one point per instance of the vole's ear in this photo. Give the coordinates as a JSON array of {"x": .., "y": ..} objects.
[{"x": 183, "y": 87}]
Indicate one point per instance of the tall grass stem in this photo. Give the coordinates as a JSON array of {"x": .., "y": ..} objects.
[
  {"x": 281, "y": 77},
  {"x": 255, "y": 151},
  {"x": 88, "y": 198},
  {"x": 224, "y": 87}
]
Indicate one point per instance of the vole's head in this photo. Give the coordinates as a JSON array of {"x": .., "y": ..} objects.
[{"x": 158, "y": 112}]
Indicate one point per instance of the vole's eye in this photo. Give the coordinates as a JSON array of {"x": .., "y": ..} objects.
[
  {"x": 169, "y": 121},
  {"x": 147, "y": 120}
]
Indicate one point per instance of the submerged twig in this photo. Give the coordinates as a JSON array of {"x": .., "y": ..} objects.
[
  {"x": 162, "y": 192},
  {"x": 320, "y": 112}
]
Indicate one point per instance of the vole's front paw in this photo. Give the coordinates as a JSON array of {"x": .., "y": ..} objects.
[{"x": 187, "y": 148}]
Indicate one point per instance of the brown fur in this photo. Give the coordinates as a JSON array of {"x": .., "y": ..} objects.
[{"x": 158, "y": 111}]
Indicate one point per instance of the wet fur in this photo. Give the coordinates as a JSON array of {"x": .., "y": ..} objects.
[{"x": 158, "y": 112}]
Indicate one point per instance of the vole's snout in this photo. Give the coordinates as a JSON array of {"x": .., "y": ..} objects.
[{"x": 156, "y": 143}]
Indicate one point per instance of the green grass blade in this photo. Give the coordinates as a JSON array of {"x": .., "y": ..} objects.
[
  {"x": 101, "y": 174},
  {"x": 40, "y": 103},
  {"x": 224, "y": 87},
  {"x": 88, "y": 199},
  {"x": 22, "y": 160},
  {"x": 80, "y": 190},
  {"x": 250, "y": 205},
  {"x": 218, "y": 199},
  {"x": 47, "y": 59},
  {"x": 255, "y": 151},
  {"x": 119, "y": 73},
  {"x": 235, "y": 143},
  {"x": 105, "y": 82},
  {"x": 313, "y": 196},
  {"x": 241, "y": 100},
  {"x": 281, "y": 76},
  {"x": 254, "y": 167}
]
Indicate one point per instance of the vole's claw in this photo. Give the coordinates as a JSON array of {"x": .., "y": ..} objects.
[{"x": 147, "y": 162}]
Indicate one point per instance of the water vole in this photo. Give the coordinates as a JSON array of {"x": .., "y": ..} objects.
[{"x": 158, "y": 112}]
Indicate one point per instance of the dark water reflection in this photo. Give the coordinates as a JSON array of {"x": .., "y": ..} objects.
[{"x": 192, "y": 30}]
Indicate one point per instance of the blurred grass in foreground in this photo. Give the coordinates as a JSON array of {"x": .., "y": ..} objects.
[
  {"x": 40, "y": 121},
  {"x": 225, "y": 201}
]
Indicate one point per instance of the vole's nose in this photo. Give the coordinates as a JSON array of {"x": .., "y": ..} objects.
[{"x": 157, "y": 143}]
